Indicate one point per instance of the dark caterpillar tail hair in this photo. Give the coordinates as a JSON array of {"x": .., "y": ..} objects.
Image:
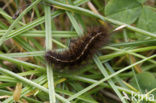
[{"x": 81, "y": 49}]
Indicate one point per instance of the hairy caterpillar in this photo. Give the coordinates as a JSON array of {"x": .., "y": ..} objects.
[{"x": 81, "y": 49}]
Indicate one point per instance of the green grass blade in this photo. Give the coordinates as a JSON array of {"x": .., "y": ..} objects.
[
  {"x": 18, "y": 19},
  {"x": 49, "y": 47},
  {"x": 87, "y": 12},
  {"x": 110, "y": 76},
  {"x": 110, "y": 81}
]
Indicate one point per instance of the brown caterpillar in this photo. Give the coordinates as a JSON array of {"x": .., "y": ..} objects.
[{"x": 81, "y": 49}]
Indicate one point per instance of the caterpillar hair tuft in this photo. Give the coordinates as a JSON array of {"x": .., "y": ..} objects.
[{"x": 82, "y": 48}]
